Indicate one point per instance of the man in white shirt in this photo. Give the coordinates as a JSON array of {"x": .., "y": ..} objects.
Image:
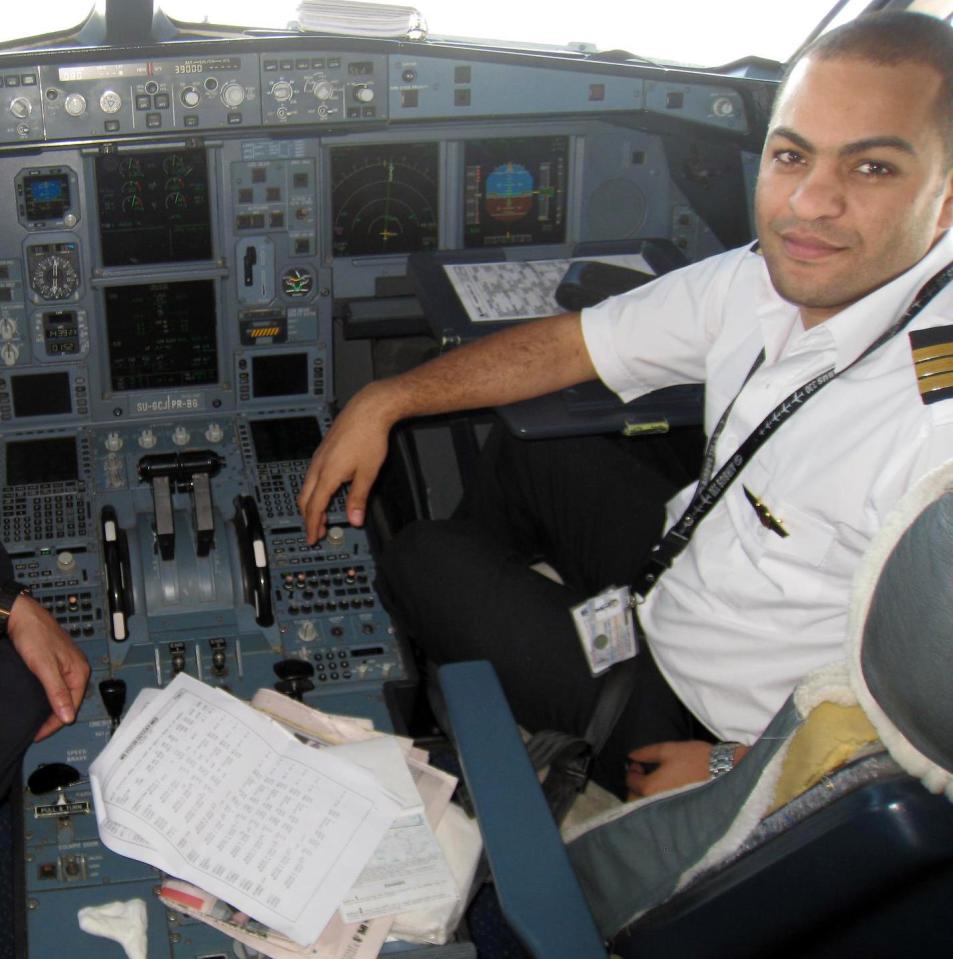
[{"x": 853, "y": 204}]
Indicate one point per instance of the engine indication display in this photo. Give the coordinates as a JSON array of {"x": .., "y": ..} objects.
[
  {"x": 515, "y": 191},
  {"x": 154, "y": 207},
  {"x": 162, "y": 335},
  {"x": 384, "y": 198}
]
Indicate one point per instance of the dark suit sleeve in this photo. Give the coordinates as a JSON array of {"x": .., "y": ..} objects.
[{"x": 23, "y": 703}]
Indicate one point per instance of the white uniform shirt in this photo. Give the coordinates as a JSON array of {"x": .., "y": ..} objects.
[{"x": 744, "y": 613}]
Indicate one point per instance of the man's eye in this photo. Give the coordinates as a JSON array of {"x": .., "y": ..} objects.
[
  {"x": 787, "y": 157},
  {"x": 872, "y": 168}
]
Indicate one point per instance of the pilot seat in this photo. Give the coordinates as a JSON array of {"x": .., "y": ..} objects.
[{"x": 834, "y": 835}]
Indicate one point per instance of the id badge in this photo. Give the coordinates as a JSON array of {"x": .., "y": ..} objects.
[{"x": 605, "y": 628}]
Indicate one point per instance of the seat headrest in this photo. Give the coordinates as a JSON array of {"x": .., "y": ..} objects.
[{"x": 900, "y": 631}]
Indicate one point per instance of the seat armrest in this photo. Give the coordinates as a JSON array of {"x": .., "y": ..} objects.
[{"x": 537, "y": 888}]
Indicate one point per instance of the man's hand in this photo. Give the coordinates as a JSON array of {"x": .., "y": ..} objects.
[
  {"x": 52, "y": 657},
  {"x": 352, "y": 452},
  {"x": 678, "y": 764}
]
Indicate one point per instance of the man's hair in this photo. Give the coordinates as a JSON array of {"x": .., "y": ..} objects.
[{"x": 890, "y": 39}]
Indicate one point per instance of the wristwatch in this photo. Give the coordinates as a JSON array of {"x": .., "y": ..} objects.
[
  {"x": 721, "y": 759},
  {"x": 9, "y": 591}
]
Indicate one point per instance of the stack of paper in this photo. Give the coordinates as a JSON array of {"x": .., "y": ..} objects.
[
  {"x": 281, "y": 845},
  {"x": 356, "y": 19}
]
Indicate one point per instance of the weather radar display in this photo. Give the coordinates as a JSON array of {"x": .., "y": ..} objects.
[
  {"x": 515, "y": 191},
  {"x": 384, "y": 198}
]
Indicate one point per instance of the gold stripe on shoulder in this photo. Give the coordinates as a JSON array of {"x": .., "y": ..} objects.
[
  {"x": 930, "y": 384},
  {"x": 931, "y": 367},
  {"x": 931, "y": 352}
]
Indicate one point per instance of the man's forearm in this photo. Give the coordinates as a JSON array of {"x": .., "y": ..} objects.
[
  {"x": 528, "y": 360},
  {"x": 519, "y": 363}
]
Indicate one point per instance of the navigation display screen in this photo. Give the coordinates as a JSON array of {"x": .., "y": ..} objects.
[
  {"x": 515, "y": 191},
  {"x": 161, "y": 335},
  {"x": 154, "y": 207},
  {"x": 294, "y": 438},
  {"x": 42, "y": 461},
  {"x": 384, "y": 198}
]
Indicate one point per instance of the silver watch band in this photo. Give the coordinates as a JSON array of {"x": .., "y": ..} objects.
[{"x": 721, "y": 759}]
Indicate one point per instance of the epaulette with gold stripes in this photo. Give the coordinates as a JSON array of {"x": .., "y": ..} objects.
[{"x": 933, "y": 361}]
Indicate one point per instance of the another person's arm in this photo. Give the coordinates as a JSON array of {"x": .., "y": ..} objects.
[
  {"x": 524, "y": 361},
  {"x": 55, "y": 660},
  {"x": 677, "y": 764}
]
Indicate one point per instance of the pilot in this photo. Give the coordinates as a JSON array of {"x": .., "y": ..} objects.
[
  {"x": 827, "y": 355},
  {"x": 43, "y": 674}
]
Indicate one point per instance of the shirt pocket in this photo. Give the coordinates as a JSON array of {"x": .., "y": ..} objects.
[{"x": 787, "y": 566}]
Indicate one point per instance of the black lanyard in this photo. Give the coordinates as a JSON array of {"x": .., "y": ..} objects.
[{"x": 710, "y": 488}]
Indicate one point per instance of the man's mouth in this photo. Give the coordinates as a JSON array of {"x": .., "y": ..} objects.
[{"x": 800, "y": 245}]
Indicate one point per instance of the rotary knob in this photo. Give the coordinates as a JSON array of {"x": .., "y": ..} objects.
[
  {"x": 66, "y": 562},
  {"x": 114, "y": 475},
  {"x": 282, "y": 91},
  {"x": 113, "y": 442},
  {"x": 110, "y": 102},
  {"x": 190, "y": 97},
  {"x": 233, "y": 95},
  {"x": 307, "y": 632},
  {"x": 147, "y": 439},
  {"x": 8, "y": 328},
  {"x": 21, "y": 108},
  {"x": 335, "y": 537},
  {"x": 75, "y": 104},
  {"x": 9, "y": 353},
  {"x": 214, "y": 433},
  {"x": 180, "y": 436},
  {"x": 323, "y": 90},
  {"x": 364, "y": 94}
]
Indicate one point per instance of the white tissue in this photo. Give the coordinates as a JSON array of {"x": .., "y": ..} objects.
[{"x": 123, "y": 922}]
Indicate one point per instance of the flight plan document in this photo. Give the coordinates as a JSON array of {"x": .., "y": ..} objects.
[
  {"x": 408, "y": 870},
  {"x": 495, "y": 291},
  {"x": 207, "y": 789}
]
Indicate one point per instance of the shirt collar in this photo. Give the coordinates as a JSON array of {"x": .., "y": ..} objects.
[{"x": 853, "y": 329}]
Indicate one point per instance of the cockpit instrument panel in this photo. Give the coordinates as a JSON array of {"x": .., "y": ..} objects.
[
  {"x": 282, "y": 440},
  {"x": 153, "y": 207},
  {"x": 162, "y": 335},
  {"x": 47, "y": 198},
  {"x": 384, "y": 198},
  {"x": 515, "y": 191},
  {"x": 41, "y": 394},
  {"x": 34, "y": 461}
]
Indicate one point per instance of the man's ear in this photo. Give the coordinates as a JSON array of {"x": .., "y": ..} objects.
[{"x": 945, "y": 220}]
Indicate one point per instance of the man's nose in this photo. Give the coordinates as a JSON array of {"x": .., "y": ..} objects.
[{"x": 819, "y": 194}]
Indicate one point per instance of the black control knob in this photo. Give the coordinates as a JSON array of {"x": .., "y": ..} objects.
[
  {"x": 295, "y": 688},
  {"x": 293, "y": 669},
  {"x": 52, "y": 777},
  {"x": 113, "y": 692},
  {"x": 294, "y": 677}
]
